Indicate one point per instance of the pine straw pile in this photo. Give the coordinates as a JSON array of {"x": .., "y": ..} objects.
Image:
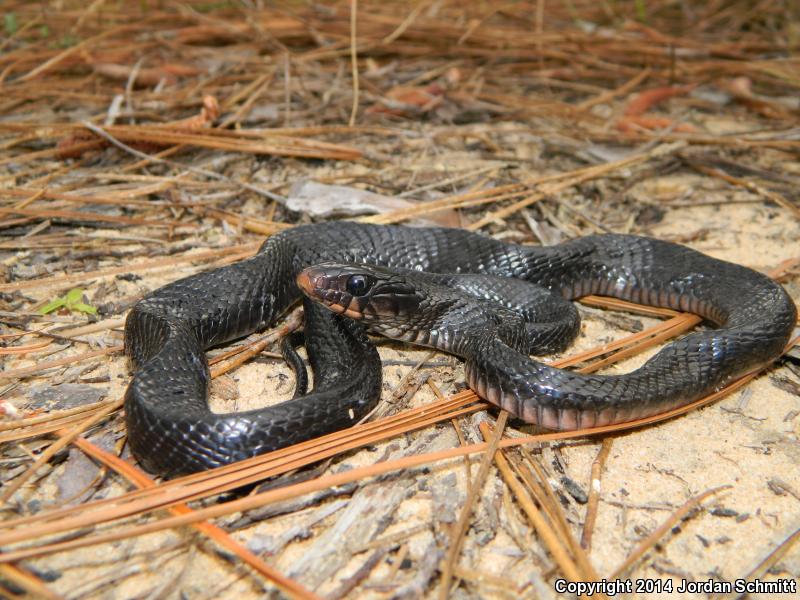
[{"x": 146, "y": 141}]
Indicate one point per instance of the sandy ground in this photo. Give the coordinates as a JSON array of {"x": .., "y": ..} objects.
[
  {"x": 391, "y": 532},
  {"x": 747, "y": 441}
]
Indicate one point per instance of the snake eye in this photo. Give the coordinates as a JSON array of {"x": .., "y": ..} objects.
[{"x": 358, "y": 285}]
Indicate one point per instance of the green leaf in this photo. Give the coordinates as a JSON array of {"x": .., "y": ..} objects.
[
  {"x": 52, "y": 305},
  {"x": 68, "y": 40},
  {"x": 73, "y": 296},
  {"x": 84, "y": 308},
  {"x": 10, "y": 23},
  {"x": 641, "y": 10}
]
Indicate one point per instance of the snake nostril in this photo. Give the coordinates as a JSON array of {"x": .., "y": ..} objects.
[
  {"x": 313, "y": 282},
  {"x": 305, "y": 282}
]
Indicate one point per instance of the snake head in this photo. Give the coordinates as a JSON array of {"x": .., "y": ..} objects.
[{"x": 361, "y": 292}]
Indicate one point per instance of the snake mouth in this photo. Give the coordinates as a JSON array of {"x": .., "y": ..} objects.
[{"x": 319, "y": 287}]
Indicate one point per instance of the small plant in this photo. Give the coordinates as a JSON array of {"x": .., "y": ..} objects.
[{"x": 72, "y": 301}]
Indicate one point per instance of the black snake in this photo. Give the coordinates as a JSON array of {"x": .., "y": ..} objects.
[{"x": 172, "y": 430}]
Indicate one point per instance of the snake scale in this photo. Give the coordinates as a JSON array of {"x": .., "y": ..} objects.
[{"x": 172, "y": 430}]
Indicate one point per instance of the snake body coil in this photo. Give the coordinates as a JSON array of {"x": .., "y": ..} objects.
[{"x": 172, "y": 430}]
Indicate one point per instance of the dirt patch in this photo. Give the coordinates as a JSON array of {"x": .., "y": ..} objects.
[{"x": 143, "y": 144}]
